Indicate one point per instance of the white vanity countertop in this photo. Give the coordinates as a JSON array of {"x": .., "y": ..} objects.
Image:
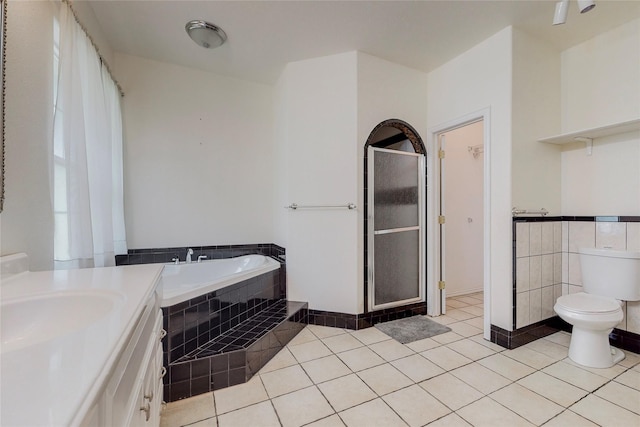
[{"x": 56, "y": 381}]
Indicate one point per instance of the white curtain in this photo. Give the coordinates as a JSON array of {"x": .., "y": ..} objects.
[{"x": 88, "y": 183}]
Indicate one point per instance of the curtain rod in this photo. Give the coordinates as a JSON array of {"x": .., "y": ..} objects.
[{"x": 95, "y": 46}]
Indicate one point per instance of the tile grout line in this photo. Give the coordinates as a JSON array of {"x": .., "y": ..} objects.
[
  {"x": 350, "y": 407},
  {"x": 215, "y": 408},
  {"x": 386, "y": 362},
  {"x": 418, "y": 383},
  {"x": 270, "y": 401},
  {"x": 381, "y": 396}
]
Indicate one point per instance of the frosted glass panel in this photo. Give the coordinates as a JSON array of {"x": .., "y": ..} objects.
[
  {"x": 395, "y": 191},
  {"x": 396, "y": 266}
]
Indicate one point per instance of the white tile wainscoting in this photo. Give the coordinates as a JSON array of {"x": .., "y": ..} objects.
[
  {"x": 538, "y": 270},
  {"x": 547, "y": 263}
]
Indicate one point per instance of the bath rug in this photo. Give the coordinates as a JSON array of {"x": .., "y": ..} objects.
[{"x": 412, "y": 329}]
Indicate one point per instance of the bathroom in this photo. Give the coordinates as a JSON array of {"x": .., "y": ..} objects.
[{"x": 289, "y": 155}]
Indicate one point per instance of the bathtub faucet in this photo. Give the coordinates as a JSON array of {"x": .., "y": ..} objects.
[
  {"x": 201, "y": 257},
  {"x": 189, "y": 253}
]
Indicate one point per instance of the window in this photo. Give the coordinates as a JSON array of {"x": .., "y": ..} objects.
[
  {"x": 60, "y": 210},
  {"x": 87, "y": 152}
]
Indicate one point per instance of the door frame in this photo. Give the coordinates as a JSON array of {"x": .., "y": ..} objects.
[{"x": 434, "y": 306}]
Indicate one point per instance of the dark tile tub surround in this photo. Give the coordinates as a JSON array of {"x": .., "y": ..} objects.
[
  {"x": 194, "y": 323},
  {"x": 234, "y": 357},
  {"x": 164, "y": 255},
  {"x": 222, "y": 338}
]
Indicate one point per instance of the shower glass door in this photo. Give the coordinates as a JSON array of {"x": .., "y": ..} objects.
[{"x": 396, "y": 233}]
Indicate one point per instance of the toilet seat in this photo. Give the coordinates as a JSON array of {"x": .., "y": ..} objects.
[{"x": 583, "y": 303}]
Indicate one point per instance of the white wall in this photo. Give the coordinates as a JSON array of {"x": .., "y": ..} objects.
[
  {"x": 478, "y": 79},
  {"x": 385, "y": 91},
  {"x": 320, "y": 130},
  {"x": 199, "y": 156},
  {"x": 600, "y": 86},
  {"x": 600, "y": 83},
  {"x": 27, "y": 219},
  {"x": 328, "y": 107},
  {"x": 535, "y": 114},
  {"x": 463, "y": 194},
  {"x": 605, "y": 183}
]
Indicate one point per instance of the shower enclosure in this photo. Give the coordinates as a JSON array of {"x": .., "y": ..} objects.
[{"x": 396, "y": 194}]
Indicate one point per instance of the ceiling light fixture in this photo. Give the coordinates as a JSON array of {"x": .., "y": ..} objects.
[
  {"x": 205, "y": 34},
  {"x": 562, "y": 8},
  {"x": 560, "y": 16},
  {"x": 585, "y": 6}
]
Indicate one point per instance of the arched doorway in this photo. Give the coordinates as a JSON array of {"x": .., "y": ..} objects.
[{"x": 394, "y": 223}]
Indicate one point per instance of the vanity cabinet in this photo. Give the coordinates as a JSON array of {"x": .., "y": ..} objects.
[
  {"x": 132, "y": 395},
  {"x": 149, "y": 398}
]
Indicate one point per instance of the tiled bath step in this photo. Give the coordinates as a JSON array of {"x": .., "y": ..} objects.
[
  {"x": 248, "y": 332},
  {"x": 235, "y": 356}
]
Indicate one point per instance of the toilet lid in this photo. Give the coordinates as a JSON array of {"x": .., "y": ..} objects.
[{"x": 587, "y": 303}]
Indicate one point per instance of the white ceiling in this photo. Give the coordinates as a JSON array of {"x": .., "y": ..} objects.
[{"x": 266, "y": 35}]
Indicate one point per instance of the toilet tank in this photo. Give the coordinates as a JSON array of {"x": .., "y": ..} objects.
[{"x": 611, "y": 273}]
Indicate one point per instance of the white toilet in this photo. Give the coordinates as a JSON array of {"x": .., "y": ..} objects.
[{"x": 608, "y": 276}]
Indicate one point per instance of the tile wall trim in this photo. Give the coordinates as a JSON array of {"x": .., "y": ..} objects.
[
  {"x": 518, "y": 337},
  {"x": 164, "y": 255},
  {"x": 599, "y": 218},
  {"x": 625, "y": 340},
  {"x": 618, "y": 338},
  {"x": 537, "y": 218},
  {"x": 365, "y": 320}
]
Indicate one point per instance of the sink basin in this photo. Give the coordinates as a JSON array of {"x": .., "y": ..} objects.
[{"x": 35, "y": 319}]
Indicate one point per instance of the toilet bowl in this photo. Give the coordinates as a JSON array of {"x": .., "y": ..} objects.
[
  {"x": 608, "y": 277},
  {"x": 593, "y": 318}
]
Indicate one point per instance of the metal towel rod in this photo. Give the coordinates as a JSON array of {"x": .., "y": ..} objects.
[
  {"x": 295, "y": 206},
  {"x": 516, "y": 212}
]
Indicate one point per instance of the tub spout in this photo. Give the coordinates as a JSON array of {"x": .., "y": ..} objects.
[
  {"x": 189, "y": 253},
  {"x": 201, "y": 257}
]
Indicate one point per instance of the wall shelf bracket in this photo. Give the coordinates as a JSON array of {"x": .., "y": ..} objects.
[{"x": 588, "y": 143}]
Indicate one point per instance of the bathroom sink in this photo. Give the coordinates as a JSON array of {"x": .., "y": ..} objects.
[{"x": 43, "y": 317}]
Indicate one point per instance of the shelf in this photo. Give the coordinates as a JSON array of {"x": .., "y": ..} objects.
[{"x": 590, "y": 134}]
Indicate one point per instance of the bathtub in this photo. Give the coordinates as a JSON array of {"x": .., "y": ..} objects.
[{"x": 181, "y": 282}]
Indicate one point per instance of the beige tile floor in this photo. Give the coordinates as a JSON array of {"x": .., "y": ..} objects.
[{"x": 334, "y": 377}]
